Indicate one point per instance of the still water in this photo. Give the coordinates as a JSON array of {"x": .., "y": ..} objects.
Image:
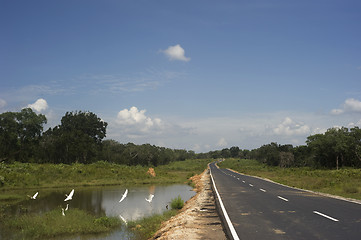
[{"x": 104, "y": 201}]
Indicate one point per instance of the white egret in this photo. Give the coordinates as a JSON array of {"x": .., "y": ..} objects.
[
  {"x": 67, "y": 207},
  {"x": 123, "y": 219},
  {"x": 35, "y": 195},
  {"x": 70, "y": 196},
  {"x": 124, "y": 195},
  {"x": 150, "y": 198},
  {"x": 62, "y": 212}
]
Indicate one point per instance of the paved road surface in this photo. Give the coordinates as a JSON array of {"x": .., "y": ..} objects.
[{"x": 260, "y": 209}]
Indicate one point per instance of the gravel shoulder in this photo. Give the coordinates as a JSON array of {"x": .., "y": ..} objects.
[{"x": 198, "y": 219}]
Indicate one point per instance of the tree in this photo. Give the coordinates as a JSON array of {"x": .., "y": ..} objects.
[
  {"x": 77, "y": 139},
  {"x": 331, "y": 148},
  {"x": 234, "y": 152},
  {"x": 20, "y": 133}
]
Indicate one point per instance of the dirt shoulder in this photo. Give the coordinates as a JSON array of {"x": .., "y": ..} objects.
[{"x": 198, "y": 218}]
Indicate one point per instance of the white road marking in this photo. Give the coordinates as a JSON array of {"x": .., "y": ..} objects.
[
  {"x": 228, "y": 220},
  {"x": 237, "y": 178},
  {"x": 243, "y": 181},
  {"x": 284, "y": 199},
  {"x": 251, "y": 185},
  {"x": 324, "y": 215},
  {"x": 262, "y": 190}
]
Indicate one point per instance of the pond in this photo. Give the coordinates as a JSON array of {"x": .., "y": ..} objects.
[{"x": 104, "y": 201}]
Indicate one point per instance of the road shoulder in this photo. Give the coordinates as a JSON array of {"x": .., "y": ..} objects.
[{"x": 198, "y": 218}]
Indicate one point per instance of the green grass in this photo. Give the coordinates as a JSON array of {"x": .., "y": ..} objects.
[
  {"x": 30, "y": 175},
  {"x": 145, "y": 228},
  {"x": 54, "y": 224},
  {"x": 344, "y": 182},
  {"x": 177, "y": 203}
]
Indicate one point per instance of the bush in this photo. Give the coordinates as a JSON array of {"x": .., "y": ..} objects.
[{"x": 177, "y": 203}]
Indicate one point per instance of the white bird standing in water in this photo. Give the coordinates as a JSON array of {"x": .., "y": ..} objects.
[
  {"x": 70, "y": 196},
  {"x": 124, "y": 195},
  {"x": 35, "y": 195},
  {"x": 150, "y": 198}
]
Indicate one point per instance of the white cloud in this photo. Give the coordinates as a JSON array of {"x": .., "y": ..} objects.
[
  {"x": 222, "y": 142},
  {"x": 176, "y": 53},
  {"x": 40, "y": 105},
  {"x": 350, "y": 105},
  {"x": 289, "y": 128},
  {"x": 135, "y": 118},
  {"x": 2, "y": 103}
]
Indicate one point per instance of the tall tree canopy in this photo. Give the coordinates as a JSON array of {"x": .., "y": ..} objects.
[
  {"x": 77, "y": 139},
  {"x": 20, "y": 133}
]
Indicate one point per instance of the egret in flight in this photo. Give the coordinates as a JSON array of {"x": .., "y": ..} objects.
[
  {"x": 35, "y": 195},
  {"x": 124, "y": 195},
  {"x": 70, "y": 196},
  {"x": 150, "y": 198}
]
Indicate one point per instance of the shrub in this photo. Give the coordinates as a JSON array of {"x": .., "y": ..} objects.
[{"x": 177, "y": 203}]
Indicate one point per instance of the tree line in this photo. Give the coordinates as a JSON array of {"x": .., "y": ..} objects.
[
  {"x": 79, "y": 138},
  {"x": 337, "y": 147}
]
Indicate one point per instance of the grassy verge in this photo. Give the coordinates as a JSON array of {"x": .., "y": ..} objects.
[
  {"x": 145, "y": 228},
  {"x": 29, "y": 175},
  {"x": 344, "y": 182},
  {"x": 54, "y": 224}
]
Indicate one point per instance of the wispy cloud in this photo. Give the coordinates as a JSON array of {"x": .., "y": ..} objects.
[
  {"x": 2, "y": 103},
  {"x": 176, "y": 52}
]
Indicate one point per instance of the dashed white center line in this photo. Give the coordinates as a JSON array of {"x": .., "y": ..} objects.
[
  {"x": 250, "y": 185},
  {"x": 324, "y": 215},
  {"x": 262, "y": 190},
  {"x": 284, "y": 199},
  {"x": 244, "y": 181}
]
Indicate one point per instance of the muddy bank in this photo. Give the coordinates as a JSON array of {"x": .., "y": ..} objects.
[{"x": 198, "y": 218}]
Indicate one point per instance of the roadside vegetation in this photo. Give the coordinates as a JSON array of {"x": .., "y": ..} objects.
[
  {"x": 53, "y": 224},
  {"x": 344, "y": 182},
  {"x": 145, "y": 228}
]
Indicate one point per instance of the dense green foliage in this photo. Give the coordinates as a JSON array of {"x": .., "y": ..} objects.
[
  {"x": 20, "y": 133},
  {"x": 78, "y": 139},
  {"x": 336, "y": 148},
  {"x": 344, "y": 182}
]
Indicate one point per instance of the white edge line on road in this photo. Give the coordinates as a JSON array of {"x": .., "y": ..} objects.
[
  {"x": 284, "y": 199},
  {"x": 324, "y": 215},
  {"x": 230, "y": 225},
  {"x": 261, "y": 189}
]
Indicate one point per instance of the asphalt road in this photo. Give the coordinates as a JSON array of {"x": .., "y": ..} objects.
[{"x": 259, "y": 209}]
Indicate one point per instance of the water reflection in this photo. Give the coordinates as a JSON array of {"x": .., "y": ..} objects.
[{"x": 104, "y": 201}]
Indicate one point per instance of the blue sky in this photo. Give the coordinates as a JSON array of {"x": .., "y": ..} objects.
[{"x": 196, "y": 75}]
